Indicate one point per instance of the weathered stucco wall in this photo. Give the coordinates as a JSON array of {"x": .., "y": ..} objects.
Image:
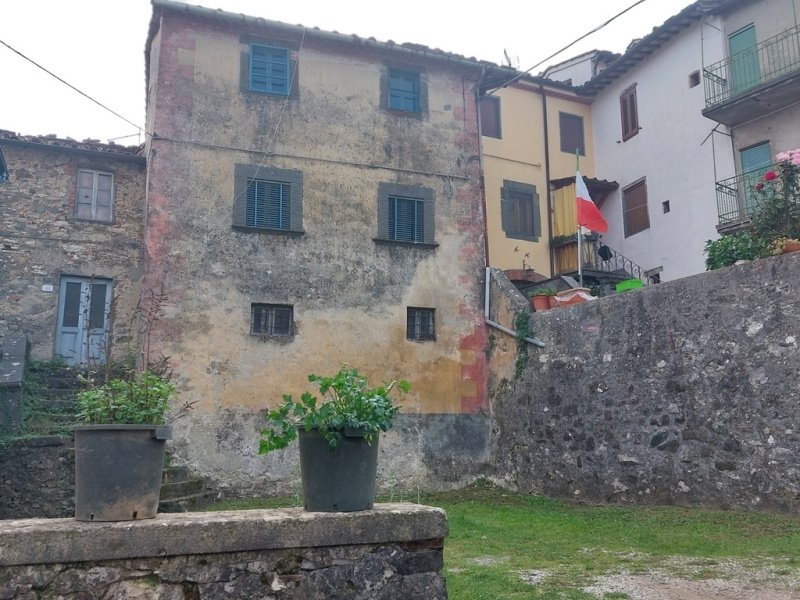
[
  {"x": 685, "y": 392},
  {"x": 43, "y": 240},
  {"x": 348, "y": 292}
]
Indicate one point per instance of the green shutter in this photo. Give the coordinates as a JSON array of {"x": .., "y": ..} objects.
[
  {"x": 755, "y": 162},
  {"x": 745, "y": 70}
]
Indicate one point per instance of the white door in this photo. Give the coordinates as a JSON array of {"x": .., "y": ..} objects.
[{"x": 84, "y": 307}]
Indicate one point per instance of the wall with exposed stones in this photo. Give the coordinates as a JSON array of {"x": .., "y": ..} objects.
[
  {"x": 41, "y": 238},
  {"x": 681, "y": 393},
  {"x": 393, "y": 552}
]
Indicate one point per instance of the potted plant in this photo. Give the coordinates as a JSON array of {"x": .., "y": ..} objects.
[
  {"x": 541, "y": 299},
  {"x": 338, "y": 438},
  {"x": 119, "y": 452}
]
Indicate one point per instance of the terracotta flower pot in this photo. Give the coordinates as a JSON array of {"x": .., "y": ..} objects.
[
  {"x": 791, "y": 247},
  {"x": 540, "y": 303}
]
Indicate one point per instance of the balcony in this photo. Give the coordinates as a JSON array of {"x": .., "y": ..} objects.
[
  {"x": 756, "y": 81},
  {"x": 601, "y": 264},
  {"x": 737, "y": 199}
]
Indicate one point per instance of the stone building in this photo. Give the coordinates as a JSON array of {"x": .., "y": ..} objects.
[
  {"x": 71, "y": 231},
  {"x": 314, "y": 199}
]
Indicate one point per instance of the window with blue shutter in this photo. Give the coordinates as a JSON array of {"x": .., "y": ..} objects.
[
  {"x": 404, "y": 91},
  {"x": 406, "y": 215},
  {"x": 268, "y": 200},
  {"x": 267, "y": 204},
  {"x": 406, "y": 219},
  {"x": 269, "y": 69}
]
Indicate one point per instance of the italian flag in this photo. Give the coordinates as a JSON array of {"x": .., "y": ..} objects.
[{"x": 589, "y": 215}]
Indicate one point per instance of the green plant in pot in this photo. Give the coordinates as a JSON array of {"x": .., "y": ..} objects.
[
  {"x": 540, "y": 300},
  {"x": 119, "y": 452},
  {"x": 338, "y": 437}
]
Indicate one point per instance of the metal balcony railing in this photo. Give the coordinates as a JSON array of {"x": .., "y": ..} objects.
[
  {"x": 737, "y": 197},
  {"x": 768, "y": 61},
  {"x": 598, "y": 257}
]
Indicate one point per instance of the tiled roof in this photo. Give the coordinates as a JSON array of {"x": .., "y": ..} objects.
[
  {"x": 68, "y": 143},
  {"x": 643, "y": 48}
]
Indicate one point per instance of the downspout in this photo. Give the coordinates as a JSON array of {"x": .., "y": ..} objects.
[
  {"x": 547, "y": 182},
  {"x": 535, "y": 341},
  {"x": 480, "y": 167}
]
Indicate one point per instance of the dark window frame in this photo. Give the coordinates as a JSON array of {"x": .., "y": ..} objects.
[
  {"x": 636, "y": 218},
  {"x": 425, "y": 195},
  {"x": 96, "y": 174},
  {"x": 247, "y": 41},
  {"x": 511, "y": 195},
  {"x": 490, "y": 107},
  {"x": 245, "y": 174},
  {"x": 264, "y": 318},
  {"x": 564, "y": 120},
  {"x": 629, "y": 113},
  {"x": 421, "y": 103},
  {"x": 269, "y": 85},
  {"x": 420, "y": 324}
]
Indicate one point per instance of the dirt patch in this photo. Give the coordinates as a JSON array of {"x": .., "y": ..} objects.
[{"x": 685, "y": 580}]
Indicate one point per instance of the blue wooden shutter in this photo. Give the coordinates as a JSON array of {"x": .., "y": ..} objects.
[
  {"x": 267, "y": 204},
  {"x": 403, "y": 91},
  {"x": 745, "y": 70},
  {"x": 406, "y": 219},
  {"x": 269, "y": 69}
]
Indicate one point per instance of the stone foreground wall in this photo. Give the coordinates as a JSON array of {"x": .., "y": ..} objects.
[
  {"x": 393, "y": 553},
  {"x": 686, "y": 393}
]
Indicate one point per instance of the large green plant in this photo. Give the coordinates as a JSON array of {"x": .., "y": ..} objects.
[
  {"x": 137, "y": 400},
  {"x": 728, "y": 249},
  {"x": 347, "y": 403}
]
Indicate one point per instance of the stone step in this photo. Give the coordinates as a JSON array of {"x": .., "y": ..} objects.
[
  {"x": 174, "y": 473},
  {"x": 180, "y": 489},
  {"x": 187, "y": 503}
]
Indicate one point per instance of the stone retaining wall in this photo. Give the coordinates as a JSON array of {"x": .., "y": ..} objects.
[
  {"x": 393, "y": 552},
  {"x": 686, "y": 392}
]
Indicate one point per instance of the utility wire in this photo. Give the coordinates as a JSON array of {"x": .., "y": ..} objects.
[
  {"x": 84, "y": 94},
  {"x": 572, "y": 43}
]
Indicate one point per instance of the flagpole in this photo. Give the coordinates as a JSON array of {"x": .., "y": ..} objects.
[{"x": 580, "y": 241}]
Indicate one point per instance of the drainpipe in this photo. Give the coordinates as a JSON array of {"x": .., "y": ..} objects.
[
  {"x": 535, "y": 341},
  {"x": 480, "y": 166},
  {"x": 547, "y": 182}
]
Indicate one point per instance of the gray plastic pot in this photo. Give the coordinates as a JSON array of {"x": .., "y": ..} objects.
[
  {"x": 340, "y": 480},
  {"x": 118, "y": 471}
]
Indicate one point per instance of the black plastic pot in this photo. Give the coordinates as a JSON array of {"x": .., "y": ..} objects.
[
  {"x": 118, "y": 471},
  {"x": 340, "y": 480}
]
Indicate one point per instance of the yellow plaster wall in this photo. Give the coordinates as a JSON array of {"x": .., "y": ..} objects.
[
  {"x": 517, "y": 156},
  {"x": 562, "y": 164}
]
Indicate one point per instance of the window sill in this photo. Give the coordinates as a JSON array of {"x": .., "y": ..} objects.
[
  {"x": 97, "y": 221},
  {"x": 279, "y": 338},
  {"x": 421, "y": 340},
  {"x": 286, "y": 232},
  {"x": 521, "y": 236},
  {"x": 405, "y": 113},
  {"x": 632, "y": 134},
  {"x": 423, "y": 245}
]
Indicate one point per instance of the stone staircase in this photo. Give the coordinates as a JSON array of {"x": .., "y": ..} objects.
[{"x": 183, "y": 492}]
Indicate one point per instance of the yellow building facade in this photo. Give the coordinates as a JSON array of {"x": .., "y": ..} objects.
[{"x": 531, "y": 130}]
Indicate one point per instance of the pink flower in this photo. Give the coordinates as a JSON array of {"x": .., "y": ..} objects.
[
  {"x": 759, "y": 186},
  {"x": 796, "y": 159},
  {"x": 770, "y": 176},
  {"x": 782, "y": 156}
]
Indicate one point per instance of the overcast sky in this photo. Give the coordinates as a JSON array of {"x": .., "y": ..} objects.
[{"x": 98, "y": 46}]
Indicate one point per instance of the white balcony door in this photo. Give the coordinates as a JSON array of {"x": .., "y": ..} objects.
[{"x": 84, "y": 308}]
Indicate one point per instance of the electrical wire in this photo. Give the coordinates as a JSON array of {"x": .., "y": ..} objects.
[
  {"x": 570, "y": 45},
  {"x": 84, "y": 94}
]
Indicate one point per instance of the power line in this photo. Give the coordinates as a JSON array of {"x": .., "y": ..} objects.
[
  {"x": 572, "y": 43},
  {"x": 84, "y": 94}
]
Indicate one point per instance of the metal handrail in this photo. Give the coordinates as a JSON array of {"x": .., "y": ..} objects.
[
  {"x": 765, "y": 62},
  {"x": 601, "y": 257},
  {"x": 737, "y": 198}
]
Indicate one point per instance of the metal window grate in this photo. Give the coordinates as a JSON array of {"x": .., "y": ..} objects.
[
  {"x": 421, "y": 324},
  {"x": 271, "y": 319}
]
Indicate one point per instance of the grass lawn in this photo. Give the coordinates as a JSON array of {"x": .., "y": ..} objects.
[{"x": 512, "y": 546}]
